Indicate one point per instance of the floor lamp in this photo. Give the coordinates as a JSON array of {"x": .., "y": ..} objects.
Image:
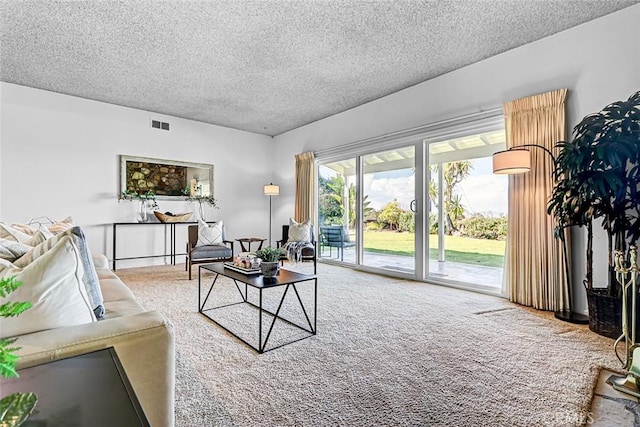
[
  {"x": 517, "y": 160},
  {"x": 271, "y": 190}
]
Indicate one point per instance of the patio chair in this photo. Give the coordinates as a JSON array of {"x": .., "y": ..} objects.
[
  {"x": 335, "y": 236},
  {"x": 206, "y": 253},
  {"x": 308, "y": 252}
]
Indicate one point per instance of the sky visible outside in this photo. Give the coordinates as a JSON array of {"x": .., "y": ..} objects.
[
  {"x": 383, "y": 187},
  {"x": 482, "y": 191}
]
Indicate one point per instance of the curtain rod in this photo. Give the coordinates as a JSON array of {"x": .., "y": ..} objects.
[{"x": 493, "y": 112}]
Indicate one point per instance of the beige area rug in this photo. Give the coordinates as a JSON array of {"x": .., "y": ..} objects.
[{"x": 387, "y": 352}]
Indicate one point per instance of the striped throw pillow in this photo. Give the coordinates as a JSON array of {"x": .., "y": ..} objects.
[
  {"x": 62, "y": 225},
  {"x": 10, "y": 233}
]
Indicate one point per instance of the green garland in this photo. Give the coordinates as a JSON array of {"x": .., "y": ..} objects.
[
  {"x": 200, "y": 199},
  {"x": 132, "y": 195}
]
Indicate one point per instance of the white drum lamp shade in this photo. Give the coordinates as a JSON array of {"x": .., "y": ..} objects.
[{"x": 511, "y": 162}]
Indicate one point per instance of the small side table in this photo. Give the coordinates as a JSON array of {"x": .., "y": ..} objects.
[
  {"x": 249, "y": 241},
  {"x": 91, "y": 389}
]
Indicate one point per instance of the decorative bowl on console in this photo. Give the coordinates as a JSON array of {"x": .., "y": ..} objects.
[{"x": 170, "y": 217}]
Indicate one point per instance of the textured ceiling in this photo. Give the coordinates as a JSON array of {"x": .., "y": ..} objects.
[{"x": 263, "y": 66}]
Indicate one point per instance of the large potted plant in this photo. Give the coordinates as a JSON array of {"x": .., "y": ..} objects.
[{"x": 597, "y": 178}]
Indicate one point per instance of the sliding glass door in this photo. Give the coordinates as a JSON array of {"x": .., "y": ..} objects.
[{"x": 429, "y": 208}]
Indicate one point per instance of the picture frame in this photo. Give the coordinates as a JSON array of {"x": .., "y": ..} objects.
[{"x": 166, "y": 178}]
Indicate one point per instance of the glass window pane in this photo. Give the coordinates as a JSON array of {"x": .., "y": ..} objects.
[
  {"x": 337, "y": 210},
  {"x": 388, "y": 209},
  {"x": 468, "y": 211}
]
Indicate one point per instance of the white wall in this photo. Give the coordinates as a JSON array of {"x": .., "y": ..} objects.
[
  {"x": 598, "y": 61},
  {"x": 60, "y": 157}
]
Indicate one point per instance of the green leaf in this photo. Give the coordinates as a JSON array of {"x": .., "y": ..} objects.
[
  {"x": 12, "y": 309},
  {"x": 16, "y": 408},
  {"x": 8, "y": 285},
  {"x": 8, "y": 359},
  {"x": 8, "y": 370}
]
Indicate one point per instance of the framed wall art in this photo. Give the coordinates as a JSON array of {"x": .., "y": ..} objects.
[{"x": 168, "y": 179}]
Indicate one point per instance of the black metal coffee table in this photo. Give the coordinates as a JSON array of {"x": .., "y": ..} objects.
[{"x": 284, "y": 278}]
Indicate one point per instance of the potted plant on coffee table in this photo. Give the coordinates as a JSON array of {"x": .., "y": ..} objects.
[
  {"x": 270, "y": 260},
  {"x": 597, "y": 177}
]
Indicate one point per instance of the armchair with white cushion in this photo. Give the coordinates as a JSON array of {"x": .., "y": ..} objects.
[
  {"x": 207, "y": 243},
  {"x": 298, "y": 239}
]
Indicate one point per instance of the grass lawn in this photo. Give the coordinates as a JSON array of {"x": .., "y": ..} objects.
[{"x": 465, "y": 250}]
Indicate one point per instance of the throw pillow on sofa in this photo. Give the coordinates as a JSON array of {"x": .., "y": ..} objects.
[
  {"x": 38, "y": 237},
  {"x": 61, "y": 226},
  {"x": 10, "y": 233},
  {"x": 89, "y": 276},
  {"x": 25, "y": 228},
  {"x": 12, "y": 250},
  {"x": 53, "y": 285}
]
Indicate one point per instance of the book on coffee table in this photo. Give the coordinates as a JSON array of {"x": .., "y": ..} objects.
[{"x": 232, "y": 266}]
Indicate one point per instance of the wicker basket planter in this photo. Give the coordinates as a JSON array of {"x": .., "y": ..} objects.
[
  {"x": 181, "y": 217},
  {"x": 605, "y": 313}
]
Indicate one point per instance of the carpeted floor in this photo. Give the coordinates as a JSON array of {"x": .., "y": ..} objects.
[{"x": 387, "y": 352}]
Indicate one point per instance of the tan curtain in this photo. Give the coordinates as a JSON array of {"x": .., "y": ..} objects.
[
  {"x": 535, "y": 270},
  {"x": 305, "y": 183}
]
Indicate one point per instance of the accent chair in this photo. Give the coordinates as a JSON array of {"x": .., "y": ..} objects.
[
  {"x": 206, "y": 253},
  {"x": 308, "y": 251}
]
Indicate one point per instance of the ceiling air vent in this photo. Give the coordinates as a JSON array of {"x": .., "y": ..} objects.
[{"x": 159, "y": 125}]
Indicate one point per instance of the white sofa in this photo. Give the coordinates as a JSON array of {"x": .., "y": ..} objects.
[{"x": 143, "y": 340}]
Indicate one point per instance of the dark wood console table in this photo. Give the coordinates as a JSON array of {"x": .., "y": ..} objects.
[
  {"x": 91, "y": 389},
  {"x": 172, "y": 240}
]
